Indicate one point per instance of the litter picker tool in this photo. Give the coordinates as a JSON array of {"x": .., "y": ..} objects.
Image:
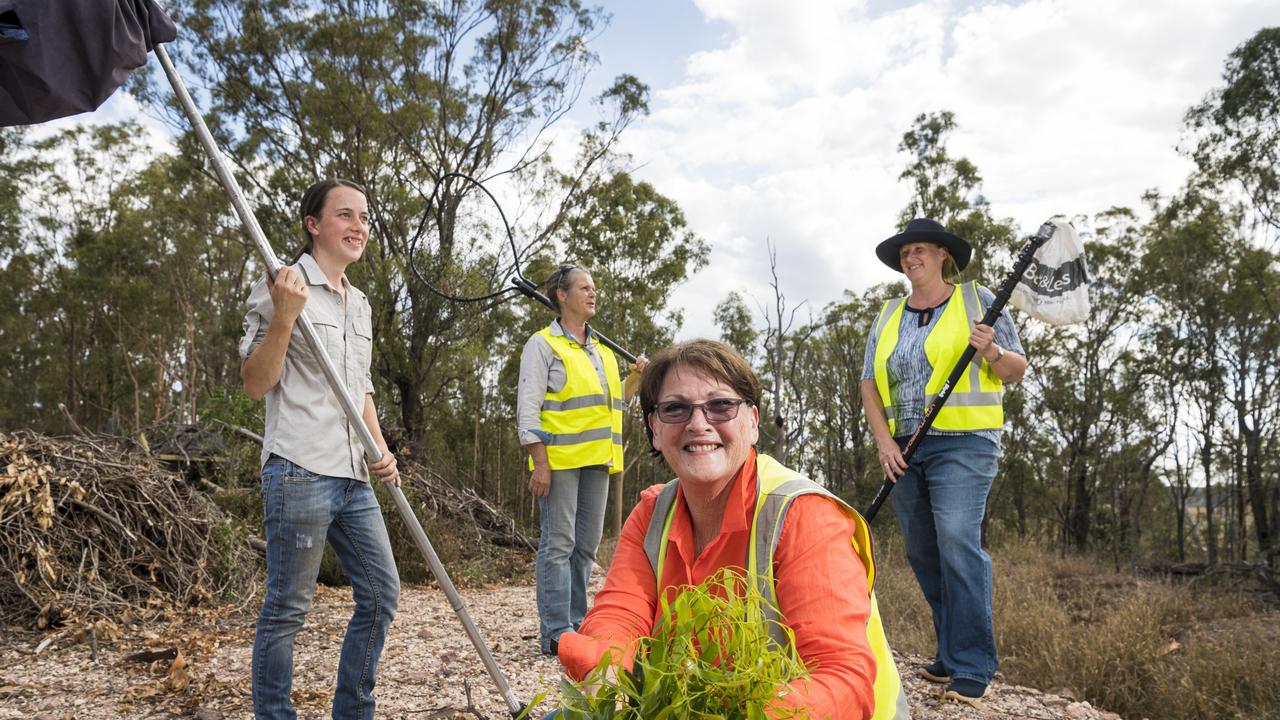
[{"x": 1024, "y": 259}]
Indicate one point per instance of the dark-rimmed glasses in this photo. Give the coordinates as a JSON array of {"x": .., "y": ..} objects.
[{"x": 717, "y": 410}]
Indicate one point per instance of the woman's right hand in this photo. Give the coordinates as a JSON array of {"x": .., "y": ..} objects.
[
  {"x": 288, "y": 293},
  {"x": 892, "y": 464},
  {"x": 540, "y": 481}
]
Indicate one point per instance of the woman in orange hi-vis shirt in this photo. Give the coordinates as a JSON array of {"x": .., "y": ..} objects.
[{"x": 701, "y": 403}]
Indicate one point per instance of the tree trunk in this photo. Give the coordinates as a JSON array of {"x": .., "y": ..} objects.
[
  {"x": 1206, "y": 460},
  {"x": 1078, "y": 522},
  {"x": 1257, "y": 491}
]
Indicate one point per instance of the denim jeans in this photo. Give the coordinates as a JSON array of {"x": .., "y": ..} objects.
[
  {"x": 571, "y": 519},
  {"x": 303, "y": 510},
  {"x": 940, "y": 502}
]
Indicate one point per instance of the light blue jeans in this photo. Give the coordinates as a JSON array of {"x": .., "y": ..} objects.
[
  {"x": 571, "y": 520},
  {"x": 302, "y": 511},
  {"x": 940, "y": 502}
]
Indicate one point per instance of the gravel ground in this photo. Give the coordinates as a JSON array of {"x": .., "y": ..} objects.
[{"x": 429, "y": 668}]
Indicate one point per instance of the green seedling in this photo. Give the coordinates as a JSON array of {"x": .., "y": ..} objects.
[{"x": 711, "y": 657}]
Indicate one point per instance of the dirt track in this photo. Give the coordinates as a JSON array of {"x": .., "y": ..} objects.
[{"x": 427, "y": 667}]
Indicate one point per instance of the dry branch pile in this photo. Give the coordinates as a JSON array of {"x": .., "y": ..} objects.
[
  {"x": 464, "y": 506},
  {"x": 94, "y": 530}
]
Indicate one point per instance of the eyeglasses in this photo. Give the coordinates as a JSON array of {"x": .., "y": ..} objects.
[{"x": 717, "y": 410}]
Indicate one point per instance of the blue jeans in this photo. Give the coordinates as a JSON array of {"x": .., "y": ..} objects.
[
  {"x": 571, "y": 519},
  {"x": 940, "y": 502},
  {"x": 302, "y": 511}
]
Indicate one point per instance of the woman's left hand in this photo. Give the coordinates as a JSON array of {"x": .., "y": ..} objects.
[{"x": 982, "y": 337}]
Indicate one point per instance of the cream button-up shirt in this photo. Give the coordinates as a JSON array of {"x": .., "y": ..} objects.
[{"x": 305, "y": 422}]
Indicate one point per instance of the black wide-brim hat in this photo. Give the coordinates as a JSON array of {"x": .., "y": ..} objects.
[{"x": 924, "y": 230}]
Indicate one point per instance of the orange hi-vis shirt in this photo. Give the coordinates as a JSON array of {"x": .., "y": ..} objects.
[{"x": 821, "y": 590}]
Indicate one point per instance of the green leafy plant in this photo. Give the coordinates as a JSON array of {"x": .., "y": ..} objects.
[{"x": 711, "y": 657}]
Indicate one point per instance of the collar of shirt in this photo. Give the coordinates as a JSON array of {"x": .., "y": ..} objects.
[
  {"x": 729, "y": 547},
  {"x": 315, "y": 276},
  {"x": 557, "y": 329}
]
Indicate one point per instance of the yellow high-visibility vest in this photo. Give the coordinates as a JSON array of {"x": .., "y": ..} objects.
[
  {"x": 584, "y": 422},
  {"x": 977, "y": 401},
  {"x": 777, "y": 486}
]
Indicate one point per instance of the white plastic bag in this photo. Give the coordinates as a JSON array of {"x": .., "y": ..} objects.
[{"x": 1055, "y": 287}]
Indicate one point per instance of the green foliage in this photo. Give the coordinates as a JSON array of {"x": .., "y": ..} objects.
[
  {"x": 733, "y": 317},
  {"x": 711, "y": 657},
  {"x": 1234, "y": 133},
  {"x": 119, "y": 290}
]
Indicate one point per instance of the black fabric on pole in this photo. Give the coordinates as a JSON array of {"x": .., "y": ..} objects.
[{"x": 64, "y": 57}]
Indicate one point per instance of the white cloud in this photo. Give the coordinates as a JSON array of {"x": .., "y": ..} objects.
[{"x": 789, "y": 130}]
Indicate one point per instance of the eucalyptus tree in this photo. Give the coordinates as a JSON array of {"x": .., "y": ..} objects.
[
  {"x": 734, "y": 319},
  {"x": 1087, "y": 393},
  {"x": 1234, "y": 135},
  {"x": 1234, "y": 138}
]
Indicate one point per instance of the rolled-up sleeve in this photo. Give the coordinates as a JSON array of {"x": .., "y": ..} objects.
[
  {"x": 258, "y": 312},
  {"x": 535, "y": 369}
]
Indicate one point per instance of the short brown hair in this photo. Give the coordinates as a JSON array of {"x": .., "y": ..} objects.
[{"x": 710, "y": 357}]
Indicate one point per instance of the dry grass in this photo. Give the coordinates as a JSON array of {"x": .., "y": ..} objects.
[{"x": 1140, "y": 647}]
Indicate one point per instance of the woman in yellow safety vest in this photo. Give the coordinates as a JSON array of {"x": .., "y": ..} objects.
[
  {"x": 809, "y": 553},
  {"x": 940, "y": 498},
  {"x": 569, "y": 418}
]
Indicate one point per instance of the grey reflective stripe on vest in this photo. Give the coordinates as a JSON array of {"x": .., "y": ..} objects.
[
  {"x": 653, "y": 536},
  {"x": 772, "y": 510},
  {"x": 580, "y": 402},
  {"x": 584, "y": 436},
  {"x": 973, "y": 309},
  {"x": 573, "y": 403},
  {"x": 901, "y": 711},
  {"x": 890, "y": 308},
  {"x": 969, "y": 399}
]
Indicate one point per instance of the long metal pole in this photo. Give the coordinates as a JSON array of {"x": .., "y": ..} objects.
[
  {"x": 931, "y": 413},
  {"x": 354, "y": 415}
]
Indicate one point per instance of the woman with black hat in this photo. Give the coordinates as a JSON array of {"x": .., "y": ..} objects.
[{"x": 940, "y": 498}]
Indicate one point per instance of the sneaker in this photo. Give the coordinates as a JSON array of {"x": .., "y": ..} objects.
[
  {"x": 934, "y": 673},
  {"x": 554, "y": 651},
  {"x": 964, "y": 690}
]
